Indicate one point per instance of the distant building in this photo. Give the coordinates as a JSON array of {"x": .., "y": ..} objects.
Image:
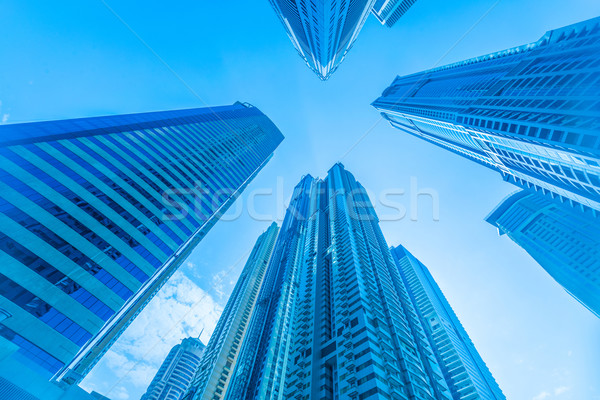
[
  {"x": 564, "y": 241},
  {"x": 322, "y": 31},
  {"x": 177, "y": 371},
  {"x": 334, "y": 318},
  {"x": 98, "y": 396},
  {"x": 220, "y": 356},
  {"x": 465, "y": 372},
  {"x": 531, "y": 112},
  {"x": 388, "y": 12},
  {"x": 97, "y": 213}
]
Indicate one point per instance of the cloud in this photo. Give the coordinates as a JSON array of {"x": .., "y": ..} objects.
[
  {"x": 217, "y": 284},
  {"x": 5, "y": 116},
  {"x": 542, "y": 396},
  {"x": 557, "y": 392},
  {"x": 181, "y": 309},
  {"x": 560, "y": 390},
  {"x": 120, "y": 393},
  {"x": 116, "y": 360}
]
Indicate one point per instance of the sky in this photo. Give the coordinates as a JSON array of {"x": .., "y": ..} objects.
[{"x": 71, "y": 59}]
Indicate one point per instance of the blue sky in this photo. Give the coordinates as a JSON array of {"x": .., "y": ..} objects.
[{"x": 75, "y": 58}]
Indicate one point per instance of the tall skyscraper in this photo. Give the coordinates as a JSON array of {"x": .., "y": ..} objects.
[
  {"x": 177, "y": 371},
  {"x": 388, "y": 12},
  {"x": 564, "y": 241},
  {"x": 322, "y": 31},
  {"x": 334, "y": 318},
  {"x": 530, "y": 112},
  {"x": 97, "y": 213},
  {"x": 221, "y": 354},
  {"x": 465, "y": 372}
]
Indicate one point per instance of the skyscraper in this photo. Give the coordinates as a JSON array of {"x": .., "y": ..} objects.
[
  {"x": 530, "y": 112},
  {"x": 465, "y": 372},
  {"x": 217, "y": 364},
  {"x": 334, "y": 318},
  {"x": 174, "y": 376},
  {"x": 322, "y": 31},
  {"x": 388, "y": 12},
  {"x": 97, "y": 213},
  {"x": 564, "y": 241}
]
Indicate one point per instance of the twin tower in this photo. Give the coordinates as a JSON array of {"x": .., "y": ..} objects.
[{"x": 324, "y": 309}]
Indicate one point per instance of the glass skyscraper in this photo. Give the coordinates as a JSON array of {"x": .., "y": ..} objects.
[
  {"x": 322, "y": 31},
  {"x": 465, "y": 372},
  {"x": 175, "y": 374},
  {"x": 215, "y": 369},
  {"x": 564, "y": 241},
  {"x": 530, "y": 112},
  {"x": 97, "y": 213},
  {"x": 388, "y": 12},
  {"x": 334, "y": 318}
]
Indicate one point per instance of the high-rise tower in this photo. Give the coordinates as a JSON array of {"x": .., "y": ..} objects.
[
  {"x": 564, "y": 241},
  {"x": 175, "y": 375},
  {"x": 97, "y": 213},
  {"x": 388, "y": 12},
  {"x": 465, "y": 372},
  {"x": 322, "y": 31},
  {"x": 219, "y": 359},
  {"x": 530, "y": 112},
  {"x": 334, "y": 318}
]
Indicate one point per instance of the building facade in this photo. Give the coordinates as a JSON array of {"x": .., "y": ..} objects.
[
  {"x": 220, "y": 356},
  {"x": 388, "y": 12},
  {"x": 530, "y": 112},
  {"x": 97, "y": 213},
  {"x": 465, "y": 372},
  {"x": 565, "y": 242},
  {"x": 322, "y": 31},
  {"x": 12, "y": 388},
  {"x": 333, "y": 318},
  {"x": 175, "y": 375}
]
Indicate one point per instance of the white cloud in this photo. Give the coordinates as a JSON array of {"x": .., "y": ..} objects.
[
  {"x": 119, "y": 393},
  {"x": 116, "y": 360},
  {"x": 560, "y": 390},
  {"x": 557, "y": 392},
  {"x": 5, "y": 116},
  {"x": 218, "y": 285},
  {"x": 181, "y": 309},
  {"x": 542, "y": 396}
]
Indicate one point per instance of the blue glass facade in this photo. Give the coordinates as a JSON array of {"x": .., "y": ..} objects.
[
  {"x": 97, "y": 213},
  {"x": 465, "y": 372},
  {"x": 42, "y": 390},
  {"x": 175, "y": 375},
  {"x": 322, "y": 31},
  {"x": 530, "y": 112},
  {"x": 335, "y": 317},
  {"x": 565, "y": 242},
  {"x": 220, "y": 356},
  {"x": 388, "y": 12}
]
